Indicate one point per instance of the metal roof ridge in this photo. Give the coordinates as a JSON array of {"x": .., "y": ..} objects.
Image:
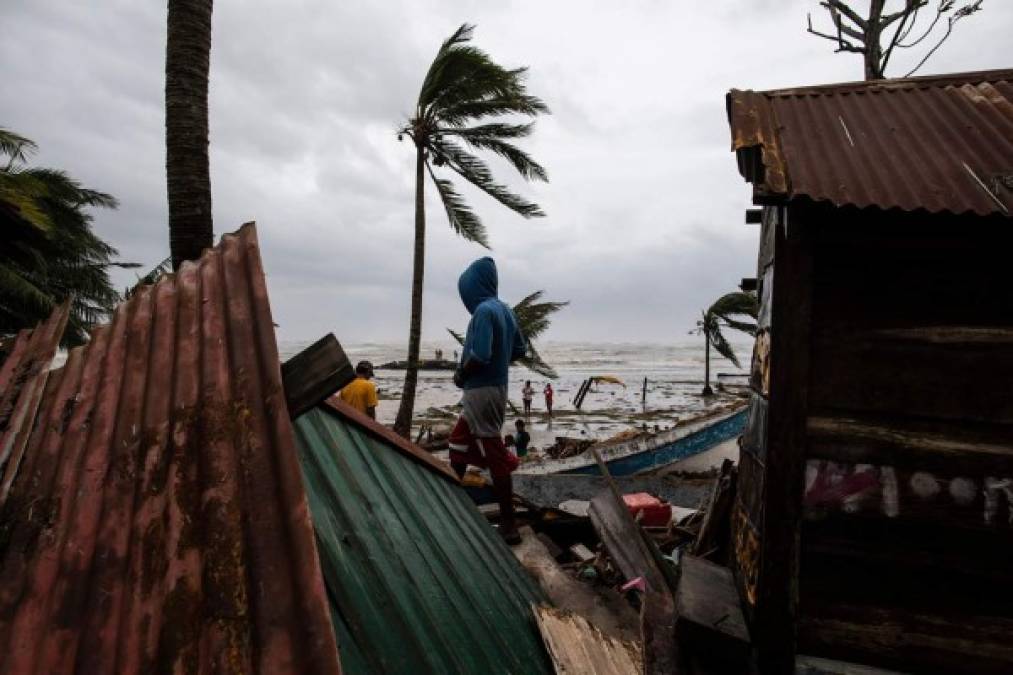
[
  {"x": 891, "y": 84},
  {"x": 397, "y": 442}
]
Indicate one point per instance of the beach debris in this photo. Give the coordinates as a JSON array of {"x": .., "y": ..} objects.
[
  {"x": 711, "y": 627},
  {"x": 637, "y": 556},
  {"x": 578, "y": 646},
  {"x": 648, "y": 510}
]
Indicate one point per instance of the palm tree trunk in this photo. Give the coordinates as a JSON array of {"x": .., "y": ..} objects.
[
  {"x": 403, "y": 423},
  {"x": 707, "y": 391},
  {"x": 187, "y": 62}
]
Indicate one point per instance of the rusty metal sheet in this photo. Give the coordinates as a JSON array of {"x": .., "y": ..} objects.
[
  {"x": 22, "y": 378},
  {"x": 159, "y": 521},
  {"x": 938, "y": 144}
]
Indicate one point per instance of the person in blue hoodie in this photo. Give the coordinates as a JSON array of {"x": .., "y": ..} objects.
[{"x": 492, "y": 343}]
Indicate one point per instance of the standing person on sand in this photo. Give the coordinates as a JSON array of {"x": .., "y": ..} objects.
[
  {"x": 360, "y": 393},
  {"x": 527, "y": 395},
  {"x": 492, "y": 343},
  {"x": 548, "y": 397}
]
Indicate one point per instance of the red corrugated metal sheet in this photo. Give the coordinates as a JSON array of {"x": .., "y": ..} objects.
[
  {"x": 22, "y": 378},
  {"x": 159, "y": 522},
  {"x": 940, "y": 144}
]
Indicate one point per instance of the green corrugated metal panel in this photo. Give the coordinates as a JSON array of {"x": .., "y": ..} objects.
[{"x": 417, "y": 579}]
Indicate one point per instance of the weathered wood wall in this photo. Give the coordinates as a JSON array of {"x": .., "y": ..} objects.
[{"x": 906, "y": 542}]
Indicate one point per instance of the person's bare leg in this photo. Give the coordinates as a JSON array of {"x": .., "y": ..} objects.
[{"x": 503, "y": 489}]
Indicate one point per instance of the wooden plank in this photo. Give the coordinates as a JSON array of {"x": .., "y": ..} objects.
[
  {"x": 886, "y": 637},
  {"x": 315, "y": 373},
  {"x": 754, "y": 216},
  {"x": 812, "y": 665},
  {"x": 952, "y": 372},
  {"x": 748, "y": 284},
  {"x": 777, "y": 586},
  {"x": 626, "y": 543},
  {"x": 710, "y": 621},
  {"x": 577, "y": 646},
  {"x": 962, "y": 448},
  {"x": 715, "y": 535}
]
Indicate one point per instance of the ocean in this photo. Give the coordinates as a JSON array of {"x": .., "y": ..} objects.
[{"x": 674, "y": 373}]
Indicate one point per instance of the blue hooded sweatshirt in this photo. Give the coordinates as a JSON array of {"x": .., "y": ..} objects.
[{"x": 494, "y": 339}]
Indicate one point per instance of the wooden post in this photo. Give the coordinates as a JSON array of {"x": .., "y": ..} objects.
[
  {"x": 777, "y": 583},
  {"x": 643, "y": 395}
]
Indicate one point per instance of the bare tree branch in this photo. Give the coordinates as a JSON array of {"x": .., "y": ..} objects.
[
  {"x": 843, "y": 45},
  {"x": 846, "y": 11},
  {"x": 866, "y": 35}
]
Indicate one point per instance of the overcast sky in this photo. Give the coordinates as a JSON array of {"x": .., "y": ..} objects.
[{"x": 645, "y": 205}]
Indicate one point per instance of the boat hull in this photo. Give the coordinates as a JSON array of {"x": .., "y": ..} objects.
[{"x": 642, "y": 455}]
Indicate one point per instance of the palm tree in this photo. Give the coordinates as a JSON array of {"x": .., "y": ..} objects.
[
  {"x": 49, "y": 252},
  {"x": 187, "y": 61},
  {"x": 720, "y": 315},
  {"x": 533, "y": 320},
  {"x": 463, "y": 86}
]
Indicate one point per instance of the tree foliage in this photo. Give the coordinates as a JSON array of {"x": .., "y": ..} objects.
[
  {"x": 879, "y": 33},
  {"x": 461, "y": 91},
  {"x": 49, "y": 251},
  {"x": 533, "y": 318},
  {"x": 728, "y": 311}
]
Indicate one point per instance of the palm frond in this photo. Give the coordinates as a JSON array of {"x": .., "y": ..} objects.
[
  {"x": 477, "y": 172},
  {"x": 534, "y": 362},
  {"x": 459, "y": 113},
  {"x": 533, "y": 320},
  {"x": 527, "y": 167},
  {"x": 463, "y": 219},
  {"x": 533, "y": 316},
  {"x": 50, "y": 252},
  {"x": 492, "y": 130},
  {"x": 430, "y": 85},
  {"x": 731, "y": 304},
  {"x": 15, "y": 146},
  {"x": 722, "y": 346}
]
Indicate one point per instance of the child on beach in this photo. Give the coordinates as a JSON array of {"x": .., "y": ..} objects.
[
  {"x": 548, "y": 397},
  {"x": 493, "y": 341},
  {"x": 522, "y": 439},
  {"x": 527, "y": 394}
]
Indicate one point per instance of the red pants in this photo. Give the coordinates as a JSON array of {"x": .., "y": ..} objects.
[{"x": 485, "y": 453}]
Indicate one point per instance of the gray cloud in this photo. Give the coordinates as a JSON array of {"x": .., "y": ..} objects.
[{"x": 645, "y": 204}]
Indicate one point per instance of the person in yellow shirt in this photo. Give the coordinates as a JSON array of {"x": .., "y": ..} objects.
[{"x": 360, "y": 393}]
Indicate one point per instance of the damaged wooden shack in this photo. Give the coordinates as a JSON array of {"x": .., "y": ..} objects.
[{"x": 872, "y": 522}]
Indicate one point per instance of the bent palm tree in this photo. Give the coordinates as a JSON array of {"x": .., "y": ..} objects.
[
  {"x": 720, "y": 315},
  {"x": 463, "y": 86},
  {"x": 533, "y": 320}
]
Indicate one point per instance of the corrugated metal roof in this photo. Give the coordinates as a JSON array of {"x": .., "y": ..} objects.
[
  {"x": 940, "y": 144},
  {"x": 418, "y": 581},
  {"x": 22, "y": 377},
  {"x": 158, "y": 522}
]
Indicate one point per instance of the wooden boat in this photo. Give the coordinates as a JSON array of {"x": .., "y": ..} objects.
[
  {"x": 645, "y": 454},
  {"x": 539, "y": 481}
]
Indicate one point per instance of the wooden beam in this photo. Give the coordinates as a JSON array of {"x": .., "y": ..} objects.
[
  {"x": 777, "y": 582},
  {"x": 625, "y": 542},
  {"x": 710, "y": 621},
  {"x": 960, "y": 448},
  {"x": 754, "y": 216},
  {"x": 748, "y": 284},
  {"x": 315, "y": 373}
]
